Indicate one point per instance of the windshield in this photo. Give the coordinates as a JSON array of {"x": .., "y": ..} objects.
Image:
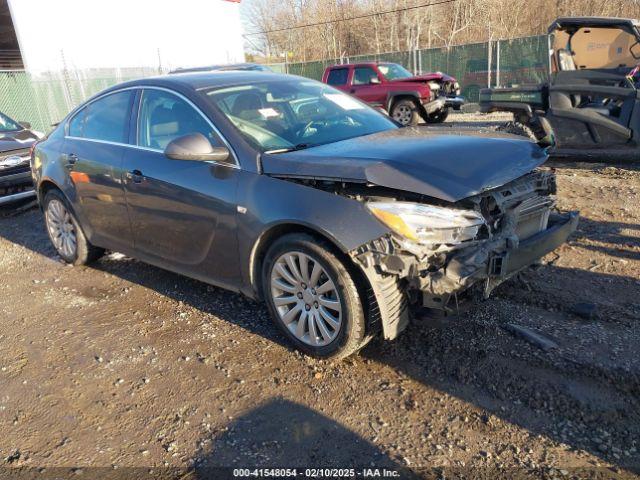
[
  {"x": 8, "y": 125},
  {"x": 294, "y": 114},
  {"x": 393, "y": 71}
]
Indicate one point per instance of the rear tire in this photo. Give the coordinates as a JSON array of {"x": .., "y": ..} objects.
[
  {"x": 312, "y": 297},
  {"x": 405, "y": 112},
  {"x": 65, "y": 233},
  {"x": 437, "y": 117}
]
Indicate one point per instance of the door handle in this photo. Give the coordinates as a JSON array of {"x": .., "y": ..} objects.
[
  {"x": 353, "y": 90},
  {"x": 71, "y": 159},
  {"x": 135, "y": 176}
]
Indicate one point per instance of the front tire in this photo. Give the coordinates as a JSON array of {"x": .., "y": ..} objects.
[
  {"x": 312, "y": 297},
  {"x": 437, "y": 117},
  {"x": 405, "y": 112},
  {"x": 65, "y": 233}
]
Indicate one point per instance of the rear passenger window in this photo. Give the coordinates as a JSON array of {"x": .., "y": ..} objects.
[
  {"x": 76, "y": 125},
  {"x": 164, "y": 117},
  {"x": 338, "y": 76},
  {"x": 105, "y": 119}
]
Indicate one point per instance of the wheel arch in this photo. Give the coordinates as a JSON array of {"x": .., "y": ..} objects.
[
  {"x": 396, "y": 96},
  {"x": 45, "y": 186},
  {"x": 266, "y": 239}
]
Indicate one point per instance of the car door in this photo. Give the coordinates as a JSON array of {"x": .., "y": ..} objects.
[
  {"x": 183, "y": 213},
  {"x": 365, "y": 84},
  {"x": 93, "y": 152}
]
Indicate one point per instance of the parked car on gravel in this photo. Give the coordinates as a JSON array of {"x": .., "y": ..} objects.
[
  {"x": 290, "y": 191},
  {"x": 393, "y": 88},
  {"x": 16, "y": 139}
]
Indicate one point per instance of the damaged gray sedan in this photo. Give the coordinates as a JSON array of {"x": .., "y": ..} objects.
[{"x": 289, "y": 191}]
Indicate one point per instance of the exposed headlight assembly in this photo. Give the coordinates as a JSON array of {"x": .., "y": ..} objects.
[
  {"x": 428, "y": 224},
  {"x": 435, "y": 86}
]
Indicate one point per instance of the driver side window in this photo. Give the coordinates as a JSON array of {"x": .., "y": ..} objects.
[
  {"x": 363, "y": 75},
  {"x": 164, "y": 117}
]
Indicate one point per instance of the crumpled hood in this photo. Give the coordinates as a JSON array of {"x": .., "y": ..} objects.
[
  {"x": 16, "y": 140},
  {"x": 427, "y": 77},
  {"x": 449, "y": 166}
]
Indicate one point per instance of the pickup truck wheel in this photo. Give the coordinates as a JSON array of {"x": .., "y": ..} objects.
[
  {"x": 312, "y": 297},
  {"x": 65, "y": 233},
  {"x": 405, "y": 112},
  {"x": 437, "y": 117}
]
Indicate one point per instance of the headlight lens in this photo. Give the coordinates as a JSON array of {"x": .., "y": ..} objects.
[{"x": 428, "y": 224}]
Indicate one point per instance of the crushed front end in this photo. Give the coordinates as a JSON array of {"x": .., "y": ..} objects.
[
  {"x": 448, "y": 89},
  {"x": 491, "y": 236}
]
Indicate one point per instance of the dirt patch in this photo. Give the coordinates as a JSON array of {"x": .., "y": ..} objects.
[{"x": 123, "y": 364}]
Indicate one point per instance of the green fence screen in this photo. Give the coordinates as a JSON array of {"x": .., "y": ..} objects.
[
  {"x": 475, "y": 66},
  {"x": 45, "y": 99}
]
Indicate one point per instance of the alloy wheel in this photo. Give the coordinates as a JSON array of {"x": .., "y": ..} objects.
[
  {"x": 306, "y": 298},
  {"x": 402, "y": 114},
  {"x": 61, "y": 228}
]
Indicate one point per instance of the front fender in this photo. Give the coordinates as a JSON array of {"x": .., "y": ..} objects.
[
  {"x": 345, "y": 222},
  {"x": 46, "y": 168},
  {"x": 391, "y": 96}
]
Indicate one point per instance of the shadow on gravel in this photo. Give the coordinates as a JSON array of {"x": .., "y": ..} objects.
[
  {"x": 620, "y": 244},
  {"x": 594, "y": 164},
  {"x": 287, "y": 434},
  {"x": 471, "y": 358},
  {"x": 580, "y": 393},
  {"x": 28, "y": 230}
]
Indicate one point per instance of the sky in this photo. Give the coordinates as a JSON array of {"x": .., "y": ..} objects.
[{"x": 127, "y": 33}]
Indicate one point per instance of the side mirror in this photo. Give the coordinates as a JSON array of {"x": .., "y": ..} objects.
[
  {"x": 26, "y": 125},
  {"x": 374, "y": 81},
  {"x": 635, "y": 50},
  {"x": 196, "y": 146}
]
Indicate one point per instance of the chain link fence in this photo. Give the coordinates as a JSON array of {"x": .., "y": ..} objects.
[
  {"x": 475, "y": 66},
  {"x": 45, "y": 99}
]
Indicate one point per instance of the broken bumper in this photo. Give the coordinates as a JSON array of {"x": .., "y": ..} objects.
[
  {"x": 395, "y": 275},
  {"x": 533, "y": 248},
  {"x": 455, "y": 102},
  {"x": 493, "y": 263},
  {"x": 434, "y": 105}
]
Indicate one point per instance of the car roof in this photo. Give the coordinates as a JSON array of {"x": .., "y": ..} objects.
[
  {"x": 205, "y": 80},
  {"x": 228, "y": 66},
  {"x": 360, "y": 64}
]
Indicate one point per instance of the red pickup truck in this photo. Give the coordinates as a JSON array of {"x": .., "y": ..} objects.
[{"x": 392, "y": 87}]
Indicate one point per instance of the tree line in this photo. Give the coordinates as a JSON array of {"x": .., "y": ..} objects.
[{"x": 305, "y": 30}]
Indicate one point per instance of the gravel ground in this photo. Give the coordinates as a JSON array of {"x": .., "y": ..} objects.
[{"x": 126, "y": 365}]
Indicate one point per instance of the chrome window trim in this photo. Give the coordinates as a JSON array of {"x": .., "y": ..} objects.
[
  {"x": 236, "y": 164},
  {"x": 85, "y": 105},
  {"x": 155, "y": 150}
]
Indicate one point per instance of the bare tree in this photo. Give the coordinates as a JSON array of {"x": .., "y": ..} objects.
[{"x": 304, "y": 30}]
